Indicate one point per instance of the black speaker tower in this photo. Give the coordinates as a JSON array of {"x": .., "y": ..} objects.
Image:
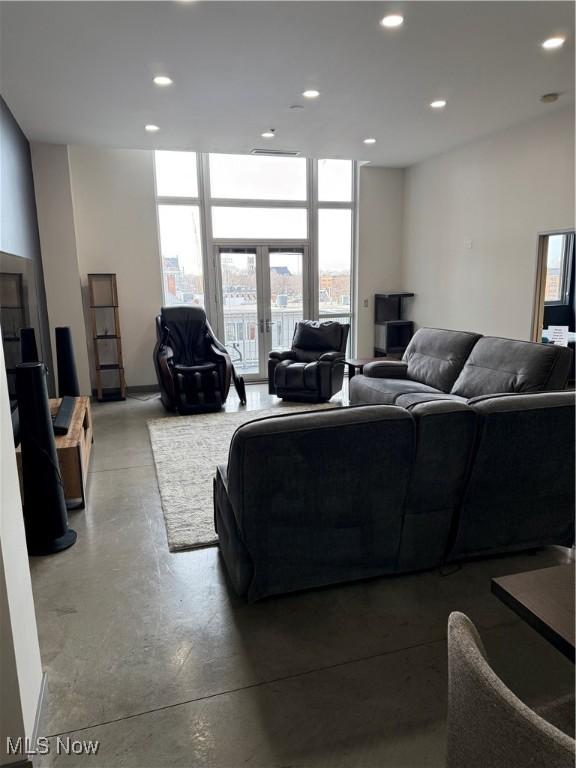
[
  {"x": 67, "y": 376},
  {"x": 28, "y": 348},
  {"x": 45, "y": 516}
]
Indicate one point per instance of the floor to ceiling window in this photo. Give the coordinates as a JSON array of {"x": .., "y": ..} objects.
[{"x": 260, "y": 241}]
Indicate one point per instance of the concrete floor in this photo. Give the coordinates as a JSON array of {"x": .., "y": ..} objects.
[{"x": 152, "y": 655}]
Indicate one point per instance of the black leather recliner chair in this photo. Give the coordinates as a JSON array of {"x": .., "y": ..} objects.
[
  {"x": 194, "y": 369},
  {"x": 313, "y": 369}
]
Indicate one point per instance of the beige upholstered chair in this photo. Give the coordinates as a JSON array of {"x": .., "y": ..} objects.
[{"x": 488, "y": 726}]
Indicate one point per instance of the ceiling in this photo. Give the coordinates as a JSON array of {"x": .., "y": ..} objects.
[{"x": 81, "y": 73}]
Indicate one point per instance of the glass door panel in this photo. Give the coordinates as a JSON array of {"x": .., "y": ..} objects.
[
  {"x": 263, "y": 293},
  {"x": 240, "y": 326},
  {"x": 286, "y": 275}
]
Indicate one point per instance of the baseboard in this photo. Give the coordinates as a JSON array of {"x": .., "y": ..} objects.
[{"x": 142, "y": 388}]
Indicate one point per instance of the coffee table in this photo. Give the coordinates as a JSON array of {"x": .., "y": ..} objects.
[
  {"x": 545, "y": 599},
  {"x": 356, "y": 364}
]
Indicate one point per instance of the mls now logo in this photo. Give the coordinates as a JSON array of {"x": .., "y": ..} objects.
[{"x": 42, "y": 746}]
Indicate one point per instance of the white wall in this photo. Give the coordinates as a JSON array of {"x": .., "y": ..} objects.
[
  {"x": 20, "y": 665},
  {"x": 58, "y": 246},
  {"x": 380, "y": 216},
  {"x": 97, "y": 213},
  {"x": 494, "y": 195},
  {"x": 116, "y": 231}
]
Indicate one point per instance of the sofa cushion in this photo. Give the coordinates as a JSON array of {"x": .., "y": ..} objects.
[
  {"x": 313, "y": 335},
  {"x": 411, "y": 399},
  {"x": 291, "y": 375},
  {"x": 435, "y": 357},
  {"x": 503, "y": 365},
  {"x": 364, "y": 390}
]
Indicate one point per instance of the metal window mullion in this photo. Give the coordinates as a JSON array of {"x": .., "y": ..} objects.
[
  {"x": 313, "y": 267},
  {"x": 242, "y": 203},
  {"x": 165, "y": 200},
  {"x": 246, "y": 242},
  {"x": 264, "y": 304},
  {"x": 208, "y": 252},
  {"x": 567, "y": 267},
  {"x": 336, "y": 204},
  {"x": 354, "y": 257}
]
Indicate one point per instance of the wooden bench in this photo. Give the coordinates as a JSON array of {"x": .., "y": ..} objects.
[{"x": 73, "y": 450}]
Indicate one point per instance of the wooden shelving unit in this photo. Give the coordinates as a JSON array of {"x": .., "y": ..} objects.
[{"x": 106, "y": 337}]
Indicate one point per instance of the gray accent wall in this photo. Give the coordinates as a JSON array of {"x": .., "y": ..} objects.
[{"x": 18, "y": 219}]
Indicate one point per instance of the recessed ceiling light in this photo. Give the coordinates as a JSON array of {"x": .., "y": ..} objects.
[
  {"x": 311, "y": 94},
  {"x": 370, "y": 141},
  {"x": 268, "y": 134},
  {"x": 151, "y": 128},
  {"x": 549, "y": 98},
  {"x": 296, "y": 106},
  {"x": 163, "y": 80},
  {"x": 438, "y": 104},
  {"x": 553, "y": 42},
  {"x": 391, "y": 21}
]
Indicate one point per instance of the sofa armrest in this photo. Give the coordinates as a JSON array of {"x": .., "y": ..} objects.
[
  {"x": 222, "y": 358},
  {"x": 387, "y": 369},
  {"x": 332, "y": 357},
  {"x": 222, "y": 472},
  {"x": 282, "y": 354},
  {"x": 163, "y": 358}
]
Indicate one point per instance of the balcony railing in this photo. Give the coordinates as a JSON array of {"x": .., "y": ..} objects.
[{"x": 241, "y": 334}]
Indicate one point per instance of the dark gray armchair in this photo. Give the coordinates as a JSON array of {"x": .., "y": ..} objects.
[{"x": 313, "y": 369}]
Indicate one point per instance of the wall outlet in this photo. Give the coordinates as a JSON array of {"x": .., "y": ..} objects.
[
  {"x": 366, "y": 303},
  {"x": 468, "y": 244}
]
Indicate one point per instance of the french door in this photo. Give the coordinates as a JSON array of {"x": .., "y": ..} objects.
[{"x": 262, "y": 292}]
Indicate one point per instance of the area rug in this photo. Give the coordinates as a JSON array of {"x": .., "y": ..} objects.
[{"x": 187, "y": 450}]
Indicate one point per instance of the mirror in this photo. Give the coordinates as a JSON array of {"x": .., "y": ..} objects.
[
  {"x": 554, "y": 307},
  {"x": 18, "y": 309}
]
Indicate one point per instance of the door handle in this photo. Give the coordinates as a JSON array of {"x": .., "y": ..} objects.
[
  {"x": 261, "y": 322},
  {"x": 267, "y": 326}
]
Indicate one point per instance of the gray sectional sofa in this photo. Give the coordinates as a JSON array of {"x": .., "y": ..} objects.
[
  {"x": 457, "y": 365},
  {"x": 330, "y": 496}
]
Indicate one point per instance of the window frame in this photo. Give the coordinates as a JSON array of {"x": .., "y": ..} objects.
[
  {"x": 209, "y": 243},
  {"x": 565, "y": 269},
  {"x": 327, "y": 203},
  {"x": 262, "y": 202},
  {"x": 176, "y": 197}
]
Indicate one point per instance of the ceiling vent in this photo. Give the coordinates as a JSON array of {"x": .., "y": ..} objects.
[{"x": 276, "y": 152}]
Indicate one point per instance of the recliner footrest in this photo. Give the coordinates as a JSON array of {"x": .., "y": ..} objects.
[{"x": 200, "y": 368}]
